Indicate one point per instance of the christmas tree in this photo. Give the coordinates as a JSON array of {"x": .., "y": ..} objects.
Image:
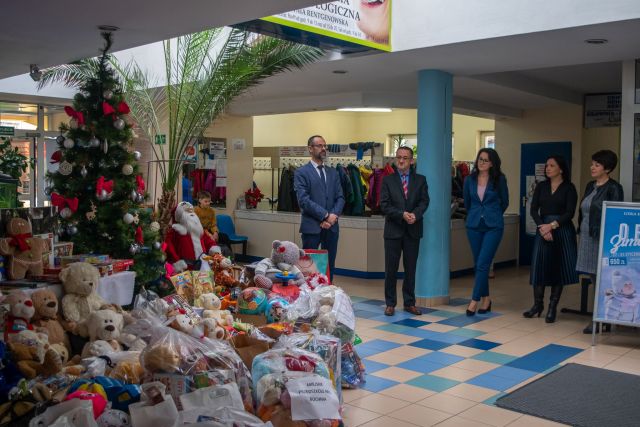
[{"x": 97, "y": 187}]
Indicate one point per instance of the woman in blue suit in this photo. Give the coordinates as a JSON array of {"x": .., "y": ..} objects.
[{"x": 486, "y": 197}]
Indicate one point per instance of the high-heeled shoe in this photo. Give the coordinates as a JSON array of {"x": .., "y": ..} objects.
[
  {"x": 471, "y": 313},
  {"x": 485, "y": 310}
]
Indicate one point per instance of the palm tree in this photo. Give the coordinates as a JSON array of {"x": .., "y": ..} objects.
[{"x": 204, "y": 72}]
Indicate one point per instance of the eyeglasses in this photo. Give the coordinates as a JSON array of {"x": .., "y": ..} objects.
[
  {"x": 403, "y": 157},
  {"x": 320, "y": 146},
  {"x": 481, "y": 160}
]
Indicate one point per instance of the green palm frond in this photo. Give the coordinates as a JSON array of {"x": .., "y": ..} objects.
[{"x": 71, "y": 75}]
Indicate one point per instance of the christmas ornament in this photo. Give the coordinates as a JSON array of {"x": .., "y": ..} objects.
[
  {"x": 83, "y": 172},
  {"x": 136, "y": 218},
  {"x": 154, "y": 226},
  {"x": 104, "y": 189},
  {"x": 107, "y": 94},
  {"x": 139, "y": 236},
  {"x": 139, "y": 198},
  {"x": 66, "y": 213},
  {"x": 65, "y": 168},
  {"x": 72, "y": 230},
  {"x": 127, "y": 218},
  {"x": 137, "y": 155},
  {"x": 140, "y": 186},
  {"x": 56, "y": 157},
  {"x": 60, "y": 139},
  {"x": 48, "y": 190},
  {"x": 94, "y": 142},
  {"x": 91, "y": 215},
  {"x": 127, "y": 169},
  {"x": 134, "y": 248},
  {"x": 156, "y": 245},
  {"x": 68, "y": 143},
  {"x": 134, "y": 195},
  {"x": 105, "y": 146},
  {"x": 73, "y": 124},
  {"x": 62, "y": 203},
  {"x": 119, "y": 124},
  {"x": 77, "y": 118}
]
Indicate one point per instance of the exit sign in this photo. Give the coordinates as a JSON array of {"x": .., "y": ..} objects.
[
  {"x": 7, "y": 131},
  {"x": 161, "y": 139}
]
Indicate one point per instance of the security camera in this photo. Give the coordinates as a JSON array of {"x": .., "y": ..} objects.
[{"x": 35, "y": 72}]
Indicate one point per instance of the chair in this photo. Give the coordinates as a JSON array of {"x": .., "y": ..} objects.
[{"x": 225, "y": 225}]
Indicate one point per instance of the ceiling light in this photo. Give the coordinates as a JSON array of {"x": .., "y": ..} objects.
[
  {"x": 596, "y": 41},
  {"x": 339, "y": 71},
  {"x": 366, "y": 109}
]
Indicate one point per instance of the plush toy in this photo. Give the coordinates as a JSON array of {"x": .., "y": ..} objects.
[
  {"x": 33, "y": 355},
  {"x": 186, "y": 240},
  {"x": 284, "y": 257},
  {"x": 69, "y": 367},
  {"x": 24, "y": 249},
  {"x": 213, "y": 329},
  {"x": 80, "y": 281},
  {"x": 212, "y": 309},
  {"x": 160, "y": 358},
  {"x": 222, "y": 268},
  {"x": 21, "y": 311},
  {"x": 106, "y": 325},
  {"x": 45, "y": 318}
]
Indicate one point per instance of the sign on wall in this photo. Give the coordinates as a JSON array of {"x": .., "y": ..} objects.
[
  {"x": 602, "y": 110},
  {"x": 366, "y": 23},
  {"x": 618, "y": 283}
]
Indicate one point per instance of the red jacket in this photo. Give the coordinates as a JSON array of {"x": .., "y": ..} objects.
[{"x": 182, "y": 246}]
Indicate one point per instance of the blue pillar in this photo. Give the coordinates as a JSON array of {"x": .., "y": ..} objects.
[{"x": 434, "y": 162}]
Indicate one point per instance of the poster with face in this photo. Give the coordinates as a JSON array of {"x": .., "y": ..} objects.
[{"x": 618, "y": 284}]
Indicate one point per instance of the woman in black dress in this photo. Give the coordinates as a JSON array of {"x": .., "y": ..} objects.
[{"x": 555, "y": 247}]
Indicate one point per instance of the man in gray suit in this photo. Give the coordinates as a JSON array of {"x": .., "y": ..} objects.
[
  {"x": 321, "y": 201},
  {"x": 404, "y": 198}
]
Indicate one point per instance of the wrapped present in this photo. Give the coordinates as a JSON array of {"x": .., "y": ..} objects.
[{"x": 90, "y": 258}]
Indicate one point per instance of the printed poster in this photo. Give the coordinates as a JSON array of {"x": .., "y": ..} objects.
[{"x": 618, "y": 283}]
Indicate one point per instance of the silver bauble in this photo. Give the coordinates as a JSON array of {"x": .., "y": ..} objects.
[
  {"x": 127, "y": 218},
  {"x": 105, "y": 146},
  {"x": 65, "y": 168},
  {"x": 102, "y": 196},
  {"x": 139, "y": 198},
  {"x": 155, "y": 226},
  {"x": 60, "y": 139},
  {"x": 133, "y": 195},
  {"x": 66, "y": 213},
  {"x": 73, "y": 123},
  {"x": 83, "y": 172},
  {"x": 127, "y": 169},
  {"x": 134, "y": 248},
  {"x": 94, "y": 142},
  {"x": 119, "y": 124},
  {"x": 68, "y": 143},
  {"x": 137, "y": 155},
  {"x": 157, "y": 245},
  {"x": 48, "y": 191},
  {"x": 72, "y": 230},
  {"x": 107, "y": 94}
]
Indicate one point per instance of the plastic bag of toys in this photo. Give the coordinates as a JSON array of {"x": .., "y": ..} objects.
[
  {"x": 335, "y": 313},
  {"x": 352, "y": 370},
  {"x": 293, "y": 387},
  {"x": 326, "y": 346},
  {"x": 305, "y": 307},
  {"x": 184, "y": 363}
]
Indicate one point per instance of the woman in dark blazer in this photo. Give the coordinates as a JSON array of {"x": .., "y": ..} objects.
[
  {"x": 486, "y": 197},
  {"x": 602, "y": 188},
  {"x": 555, "y": 248}
]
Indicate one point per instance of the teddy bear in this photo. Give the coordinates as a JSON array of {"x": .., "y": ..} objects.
[
  {"x": 24, "y": 249},
  {"x": 45, "y": 318},
  {"x": 180, "y": 321},
  {"x": 80, "y": 281},
  {"x": 284, "y": 258},
  {"x": 21, "y": 311},
  {"x": 212, "y": 309},
  {"x": 69, "y": 367},
  {"x": 33, "y": 355},
  {"x": 160, "y": 358},
  {"x": 106, "y": 325}
]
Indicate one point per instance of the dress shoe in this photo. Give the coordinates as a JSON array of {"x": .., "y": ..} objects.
[
  {"x": 485, "y": 310},
  {"x": 471, "y": 313},
  {"x": 389, "y": 311},
  {"x": 413, "y": 310}
]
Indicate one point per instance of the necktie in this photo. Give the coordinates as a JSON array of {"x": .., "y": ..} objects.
[
  {"x": 322, "y": 177},
  {"x": 405, "y": 185}
]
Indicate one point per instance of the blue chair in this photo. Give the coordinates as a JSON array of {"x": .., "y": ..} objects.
[{"x": 225, "y": 225}]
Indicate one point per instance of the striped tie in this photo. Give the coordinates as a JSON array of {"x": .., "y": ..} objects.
[{"x": 405, "y": 186}]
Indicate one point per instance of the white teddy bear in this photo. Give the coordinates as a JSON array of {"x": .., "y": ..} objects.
[{"x": 80, "y": 282}]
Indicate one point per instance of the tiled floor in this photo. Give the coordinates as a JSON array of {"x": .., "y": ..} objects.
[{"x": 446, "y": 369}]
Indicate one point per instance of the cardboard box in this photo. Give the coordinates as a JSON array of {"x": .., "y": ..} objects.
[
  {"x": 248, "y": 348},
  {"x": 254, "y": 319},
  {"x": 90, "y": 258}
]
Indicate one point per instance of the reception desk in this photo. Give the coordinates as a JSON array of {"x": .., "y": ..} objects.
[{"x": 361, "y": 246}]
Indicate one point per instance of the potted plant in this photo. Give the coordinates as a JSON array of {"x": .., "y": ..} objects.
[{"x": 13, "y": 164}]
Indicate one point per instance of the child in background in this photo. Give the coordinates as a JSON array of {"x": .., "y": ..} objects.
[{"x": 207, "y": 214}]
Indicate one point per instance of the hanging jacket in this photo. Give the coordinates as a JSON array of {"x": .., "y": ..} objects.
[
  {"x": 375, "y": 185},
  {"x": 284, "y": 192},
  {"x": 358, "y": 190}
]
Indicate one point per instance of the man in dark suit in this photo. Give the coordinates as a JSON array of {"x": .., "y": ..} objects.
[
  {"x": 321, "y": 201},
  {"x": 404, "y": 198}
]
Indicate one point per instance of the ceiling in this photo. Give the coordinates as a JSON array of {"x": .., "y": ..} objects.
[{"x": 497, "y": 77}]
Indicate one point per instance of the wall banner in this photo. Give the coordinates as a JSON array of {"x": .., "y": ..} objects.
[
  {"x": 618, "y": 283},
  {"x": 363, "y": 22}
]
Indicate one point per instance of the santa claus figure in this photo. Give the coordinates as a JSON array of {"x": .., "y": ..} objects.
[{"x": 186, "y": 240}]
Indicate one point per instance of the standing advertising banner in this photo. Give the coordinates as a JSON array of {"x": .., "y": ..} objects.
[
  {"x": 363, "y": 22},
  {"x": 617, "y": 298}
]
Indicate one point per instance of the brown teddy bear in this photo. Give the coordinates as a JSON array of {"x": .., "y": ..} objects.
[
  {"x": 80, "y": 281},
  {"x": 45, "y": 318},
  {"x": 160, "y": 358},
  {"x": 24, "y": 249},
  {"x": 33, "y": 355}
]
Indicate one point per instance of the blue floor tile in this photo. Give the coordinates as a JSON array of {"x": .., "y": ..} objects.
[
  {"x": 373, "y": 301},
  {"x": 469, "y": 333},
  {"x": 479, "y": 344},
  {"x": 357, "y": 299},
  {"x": 493, "y": 357},
  {"x": 367, "y": 351},
  {"x": 444, "y": 313},
  {"x": 493, "y": 382},
  {"x": 381, "y": 345},
  {"x": 445, "y": 359},
  {"x": 377, "y": 384},
  {"x": 437, "y": 336},
  {"x": 365, "y": 314},
  {"x": 421, "y": 366},
  {"x": 398, "y": 329},
  {"x": 461, "y": 321},
  {"x": 372, "y": 366},
  {"x": 433, "y": 383},
  {"x": 399, "y": 315},
  {"x": 430, "y": 344},
  {"x": 413, "y": 323},
  {"x": 512, "y": 373},
  {"x": 492, "y": 399},
  {"x": 545, "y": 358},
  {"x": 456, "y": 302},
  {"x": 368, "y": 307}
]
